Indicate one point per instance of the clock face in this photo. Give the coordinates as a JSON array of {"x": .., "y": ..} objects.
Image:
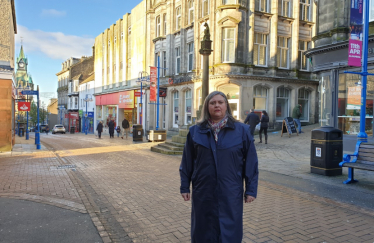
[{"x": 21, "y": 64}]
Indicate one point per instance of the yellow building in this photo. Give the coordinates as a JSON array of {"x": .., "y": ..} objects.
[{"x": 8, "y": 28}]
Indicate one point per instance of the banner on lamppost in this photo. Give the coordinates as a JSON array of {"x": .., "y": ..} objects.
[
  {"x": 153, "y": 84},
  {"x": 355, "y": 36},
  {"x": 24, "y": 106}
]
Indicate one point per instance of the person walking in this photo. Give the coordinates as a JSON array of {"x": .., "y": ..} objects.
[
  {"x": 296, "y": 114},
  {"x": 46, "y": 129},
  {"x": 125, "y": 126},
  {"x": 219, "y": 154},
  {"x": 111, "y": 128},
  {"x": 118, "y": 129},
  {"x": 264, "y": 126},
  {"x": 99, "y": 128},
  {"x": 252, "y": 119}
]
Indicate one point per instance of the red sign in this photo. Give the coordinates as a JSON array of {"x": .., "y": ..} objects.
[
  {"x": 24, "y": 106},
  {"x": 137, "y": 94},
  {"x": 126, "y": 99},
  {"x": 153, "y": 85}
]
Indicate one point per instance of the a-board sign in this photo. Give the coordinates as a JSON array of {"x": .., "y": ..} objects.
[{"x": 288, "y": 126}]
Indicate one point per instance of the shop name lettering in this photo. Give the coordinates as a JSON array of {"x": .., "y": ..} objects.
[
  {"x": 182, "y": 79},
  {"x": 355, "y": 49},
  {"x": 125, "y": 99}
]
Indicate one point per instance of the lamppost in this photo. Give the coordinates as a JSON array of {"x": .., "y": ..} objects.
[
  {"x": 143, "y": 77},
  {"x": 27, "y": 114},
  {"x": 87, "y": 99}
]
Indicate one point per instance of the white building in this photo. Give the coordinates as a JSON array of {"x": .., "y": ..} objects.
[{"x": 87, "y": 107}]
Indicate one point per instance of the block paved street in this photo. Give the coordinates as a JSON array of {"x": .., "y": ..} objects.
[{"x": 132, "y": 194}]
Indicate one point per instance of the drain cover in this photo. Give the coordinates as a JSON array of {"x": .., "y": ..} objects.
[{"x": 65, "y": 166}]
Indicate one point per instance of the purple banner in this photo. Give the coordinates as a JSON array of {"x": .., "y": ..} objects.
[{"x": 355, "y": 36}]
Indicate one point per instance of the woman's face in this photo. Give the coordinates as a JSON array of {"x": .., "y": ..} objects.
[{"x": 217, "y": 108}]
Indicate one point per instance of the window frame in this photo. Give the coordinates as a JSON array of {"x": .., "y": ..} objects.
[
  {"x": 284, "y": 97},
  {"x": 301, "y": 55},
  {"x": 175, "y": 98},
  {"x": 280, "y": 49},
  {"x": 258, "y": 44},
  {"x": 186, "y": 113},
  {"x": 205, "y": 11},
  {"x": 178, "y": 18},
  {"x": 164, "y": 63},
  {"x": 158, "y": 26},
  {"x": 281, "y": 8},
  {"x": 303, "y": 4},
  {"x": 255, "y": 95},
  {"x": 190, "y": 56},
  {"x": 177, "y": 58},
  {"x": 164, "y": 16},
  {"x": 257, "y": 7},
  {"x": 190, "y": 9},
  {"x": 225, "y": 42},
  {"x": 305, "y": 98}
]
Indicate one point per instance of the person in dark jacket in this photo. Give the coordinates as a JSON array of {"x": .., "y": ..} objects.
[
  {"x": 218, "y": 156},
  {"x": 296, "y": 114},
  {"x": 252, "y": 119},
  {"x": 99, "y": 128},
  {"x": 111, "y": 126},
  {"x": 125, "y": 126},
  {"x": 264, "y": 126}
]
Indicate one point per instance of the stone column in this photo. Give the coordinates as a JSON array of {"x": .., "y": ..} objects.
[{"x": 273, "y": 45}]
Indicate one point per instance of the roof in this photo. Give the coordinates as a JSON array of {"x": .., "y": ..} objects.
[{"x": 90, "y": 78}]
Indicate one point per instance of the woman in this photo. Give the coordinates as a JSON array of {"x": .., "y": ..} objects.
[
  {"x": 99, "y": 128},
  {"x": 264, "y": 126},
  {"x": 218, "y": 155},
  {"x": 111, "y": 128}
]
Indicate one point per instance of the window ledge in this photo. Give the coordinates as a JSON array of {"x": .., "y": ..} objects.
[
  {"x": 306, "y": 23},
  {"x": 189, "y": 26},
  {"x": 177, "y": 32},
  {"x": 204, "y": 19},
  {"x": 263, "y": 14},
  {"x": 285, "y": 19},
  {"x": 159, "y": 38}
]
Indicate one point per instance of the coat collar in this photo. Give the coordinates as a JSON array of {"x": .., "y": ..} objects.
[{"x": 205, "y": 128}]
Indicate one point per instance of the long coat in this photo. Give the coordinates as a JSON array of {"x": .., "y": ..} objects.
[
  {"x": 111, "y": 126},
  {"x": 264, "y": 121},
  {"x": 99, "y": 127},
  {"x": 217, "y": 171}
]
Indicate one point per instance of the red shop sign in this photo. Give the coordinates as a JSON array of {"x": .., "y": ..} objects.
[
  {"x": 137, "y": 94},
  {"x": 24, "y": 106}
]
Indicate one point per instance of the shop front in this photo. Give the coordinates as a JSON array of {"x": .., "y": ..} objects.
[
  {"x": 73, "y": 121},
  {"x": 340, "y": 92}
]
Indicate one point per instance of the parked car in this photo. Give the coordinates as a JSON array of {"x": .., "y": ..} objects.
[{"x": 58, "y": 129}]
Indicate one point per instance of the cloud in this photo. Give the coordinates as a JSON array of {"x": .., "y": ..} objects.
[
  {"x": 55, "y": 45},
  {"x": 52, "y": 13}
]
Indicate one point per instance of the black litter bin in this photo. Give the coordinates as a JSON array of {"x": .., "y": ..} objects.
[
  {"x": 72, "y": 130},
  {"x": 326, "y": 151},
  {"x": 137, "y": 132},
  {"x": 21, "y": 131}
]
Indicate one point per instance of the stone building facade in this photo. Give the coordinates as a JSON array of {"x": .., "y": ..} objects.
[
  {"x": 8, "y": 29},
  {"x": 258, "y": 57}
]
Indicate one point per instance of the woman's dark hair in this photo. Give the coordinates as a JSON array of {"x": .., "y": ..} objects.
[{"x": 265, "y": 113}]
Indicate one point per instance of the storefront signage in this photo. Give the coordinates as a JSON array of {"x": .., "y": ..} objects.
[
  {"x": 153, "y": 85},
  {"x": 80, "y": 113},
  {"x": 137, "y": 94},
  {"x": 126, "y": 99},
  {"x": 74, "y": 115},
  {"x": 91, "y": 114},
  {"x": 162, "y": 92},
  {"x": 354, "y": 98},
  {"x": 355, "y": 38},
  {"x": 24, "y": 106}
]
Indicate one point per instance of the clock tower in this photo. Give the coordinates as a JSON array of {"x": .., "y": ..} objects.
[{"x": 22, "y": 77}]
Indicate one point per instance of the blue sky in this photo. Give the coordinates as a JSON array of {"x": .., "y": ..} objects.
[{"x": 54, "y": 30}]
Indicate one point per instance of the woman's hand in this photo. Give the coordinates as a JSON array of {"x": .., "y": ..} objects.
[
  {"x": 186, "y": 196},
  {"x": 249, "y": 199}
]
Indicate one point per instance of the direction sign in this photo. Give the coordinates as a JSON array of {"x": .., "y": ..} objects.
[{"x": 30, "y": 92}]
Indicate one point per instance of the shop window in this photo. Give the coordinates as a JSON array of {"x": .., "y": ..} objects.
[
  {"x": 260, "y": 49},
  {"x": 283, "y": 52},
  {"x": 283, "y": 103},
  {"x": 284, "y": 8},
  {"x": 175, "y": 109},
  {"x": 262, "y": 5},
  {"x": 232, "y": 94},
  {"x": 190, "y": 11},
  {"x": 228, "y": 45},
  {"x": 305, "y": 9},
  {"x": 260, "y": 96},
  {"x": 190, "y": 56},
  {"x": 188, "y": 107},
  {"x": 303, "y": 100}
]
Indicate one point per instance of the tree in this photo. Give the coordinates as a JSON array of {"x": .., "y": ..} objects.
[{"x": 34, "y": 113}]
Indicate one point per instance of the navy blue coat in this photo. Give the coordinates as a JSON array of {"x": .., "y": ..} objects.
[{"x": 217, "y": 171}]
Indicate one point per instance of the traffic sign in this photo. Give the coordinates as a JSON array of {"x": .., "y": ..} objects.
[{"x": 30, "y": 92}]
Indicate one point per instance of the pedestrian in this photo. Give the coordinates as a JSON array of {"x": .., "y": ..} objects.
[
  {"x": 118, "y": 129},
  {"x": 296, "y": 114},
  {"x": 264, "y": 126},
  {"x": 46, "y": 129},
  {"x": 99, "y": 128},
  {"x": 252, "y": 119},
  {"x": 111, "y": 128},
  {"x": 218, "y": 155},
  {"x": 125, "y": 126}
]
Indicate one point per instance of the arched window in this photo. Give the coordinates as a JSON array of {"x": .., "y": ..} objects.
[
  {"x": 158, "y": 26},
  {"x": 260, "y": 97},
  {"x": 175, "y": 109},
  {"x": 283, "y": 103},
  {"x": 188, "y": 107},
  {"x": 303, "y": 100},
  {"x": 232, "y": 94},
  {"x": 190, "y": 11}
]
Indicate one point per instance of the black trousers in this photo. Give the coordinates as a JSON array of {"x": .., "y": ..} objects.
[
  {"x": 265, "y": 129},
  {"x": 99, "y": 134}
]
